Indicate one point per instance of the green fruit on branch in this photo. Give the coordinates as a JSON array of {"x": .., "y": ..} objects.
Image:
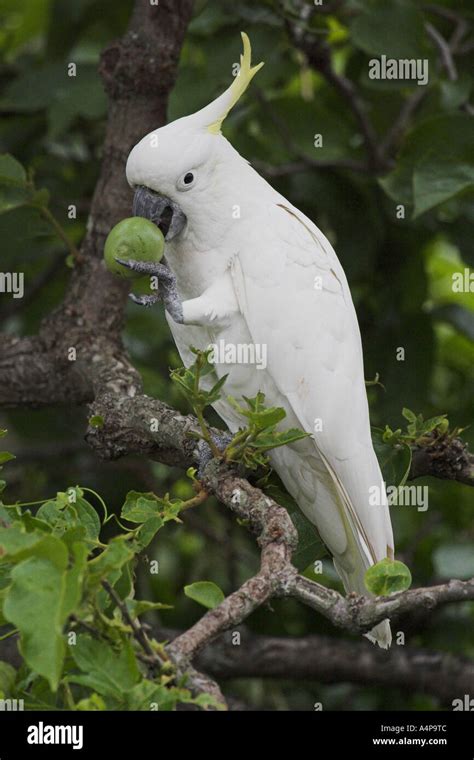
[{"x": 133, "y": 238}]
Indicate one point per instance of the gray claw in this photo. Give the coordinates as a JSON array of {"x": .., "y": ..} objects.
[
  {"x": 168, "y": 291},
  {"x": 147, "y": 300},
  {"x": 144, "y": 267}
]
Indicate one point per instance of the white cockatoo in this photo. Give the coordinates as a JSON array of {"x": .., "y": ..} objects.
[{"x": 245, "y": 267}]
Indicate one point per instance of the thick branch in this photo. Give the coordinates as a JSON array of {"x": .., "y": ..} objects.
[
  {"x": 359, "y": 614},
  {"x": 446, "y": 458},
  {"x": 234, "y": 609},
  {"x": 330, "y": 661}
]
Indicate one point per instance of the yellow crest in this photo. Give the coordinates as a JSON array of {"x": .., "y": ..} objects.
[{"x": 230, "y": 97}]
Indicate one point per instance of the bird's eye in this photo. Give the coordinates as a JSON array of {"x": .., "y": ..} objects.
[{"x": 187, "y": 181}]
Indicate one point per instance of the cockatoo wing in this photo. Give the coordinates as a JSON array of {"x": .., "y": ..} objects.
[{"x": 295, "y": 299}]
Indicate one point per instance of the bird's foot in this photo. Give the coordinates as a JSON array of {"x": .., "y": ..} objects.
[
  {"x": 147, "y": 300},
  {"x": 167, "y": 288},
  {"x": 220, "y": 441}
]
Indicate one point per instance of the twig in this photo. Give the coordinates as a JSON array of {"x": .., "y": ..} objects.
[
  {"x": 394, "y": 135},
  {"x": 318, "y": 55},
  {"x": 137, "y": 629},
  {"x": 234, "y": 609},
  {"x": 46, "y": 213},
  {"x": 444, "y": 50},
  {"x": 359, "y": 614},
  {"x": 461, "y": 25}
]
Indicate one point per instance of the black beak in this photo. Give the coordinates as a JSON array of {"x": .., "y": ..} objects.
[{"x": 160, "y": 210}]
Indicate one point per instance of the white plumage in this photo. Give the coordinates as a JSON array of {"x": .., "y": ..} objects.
[{"x": 251, "y": 268}]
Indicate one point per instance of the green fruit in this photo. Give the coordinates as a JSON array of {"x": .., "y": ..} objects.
[{"x": 133, "y": 238}]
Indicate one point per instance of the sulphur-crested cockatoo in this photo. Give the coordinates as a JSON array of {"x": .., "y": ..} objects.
[{"x": 244, "y": 267}]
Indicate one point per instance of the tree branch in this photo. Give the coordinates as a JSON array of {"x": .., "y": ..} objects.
[
  {"x": 328, "y": 660},
  {"x": 359, "y": 614},
  {"x": 446, "y": 458},
  {"x": 318, "y": 55}
]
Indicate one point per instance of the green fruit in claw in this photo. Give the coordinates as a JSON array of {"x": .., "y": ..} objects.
[{"x": 133, "y": 238}]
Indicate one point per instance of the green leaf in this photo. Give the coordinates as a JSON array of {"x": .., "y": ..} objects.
[
  {"x": 5, "y": 456},
  {"x": 33, "y": 89},
  {"x": 86, "y": 516},
  {"x": 16, "y": 545},
  {"x": 206, "y": 593},
  {"x": 140, "y": 507},
  {"x": 30, "y": 21},
  {"x": 387, "y": 577},
  {"x": 35, "y": 605},
  {"x": 7, "y": 679},
  {"x": 261, "y": 435},
  {"x": 272, "y": 440},
  {"x": 26, "y": 236},
  {"x": 64, "y": 515},
  {"x": 394, "y": 458},
  {"x": 117, "y": 553},
  {"x": 267, "y": 417},
  {"x": 445, "y": 268},
  {"x": 93, "y": 703},
  {"x": 148, "y": 531},
  {"x": 124, "y": 585},
  {"x": 54, "y": 514},
  {"x": 389, "y": 27},
  {"x": 14, "y": 190},
  {"x": 457, "y": 316},
  {"x": 81, "y": 95},
  {"x": 74, "y": 580},
  {"x": 408, "y": 414},
  {"x": 435, "y": 163},
  {"x": 137, "y": 608},
  {"x": 188, "y": 380},
  {"x": 33, "y": 524},
  {"x": 150, "y": 510},
  {"x": 11, "y": 170},
  {"x": 48, "y": 86},
  {"x": 5, "y": 571},
  {"x": 148, "y": 695},
  {"x": 104, "y": 670},
  {"x": 40, "y": 198},
  {"x": 438, "y": 178},
  {"x": 454, "y": 94},
  {"x": 206, "y": 701},
  {"x": 215, "y": 393}
]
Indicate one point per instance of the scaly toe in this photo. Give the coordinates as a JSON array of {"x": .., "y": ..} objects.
[
  {"x": 147, "y": 300},
  {"x": 144, "y": 267}
]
